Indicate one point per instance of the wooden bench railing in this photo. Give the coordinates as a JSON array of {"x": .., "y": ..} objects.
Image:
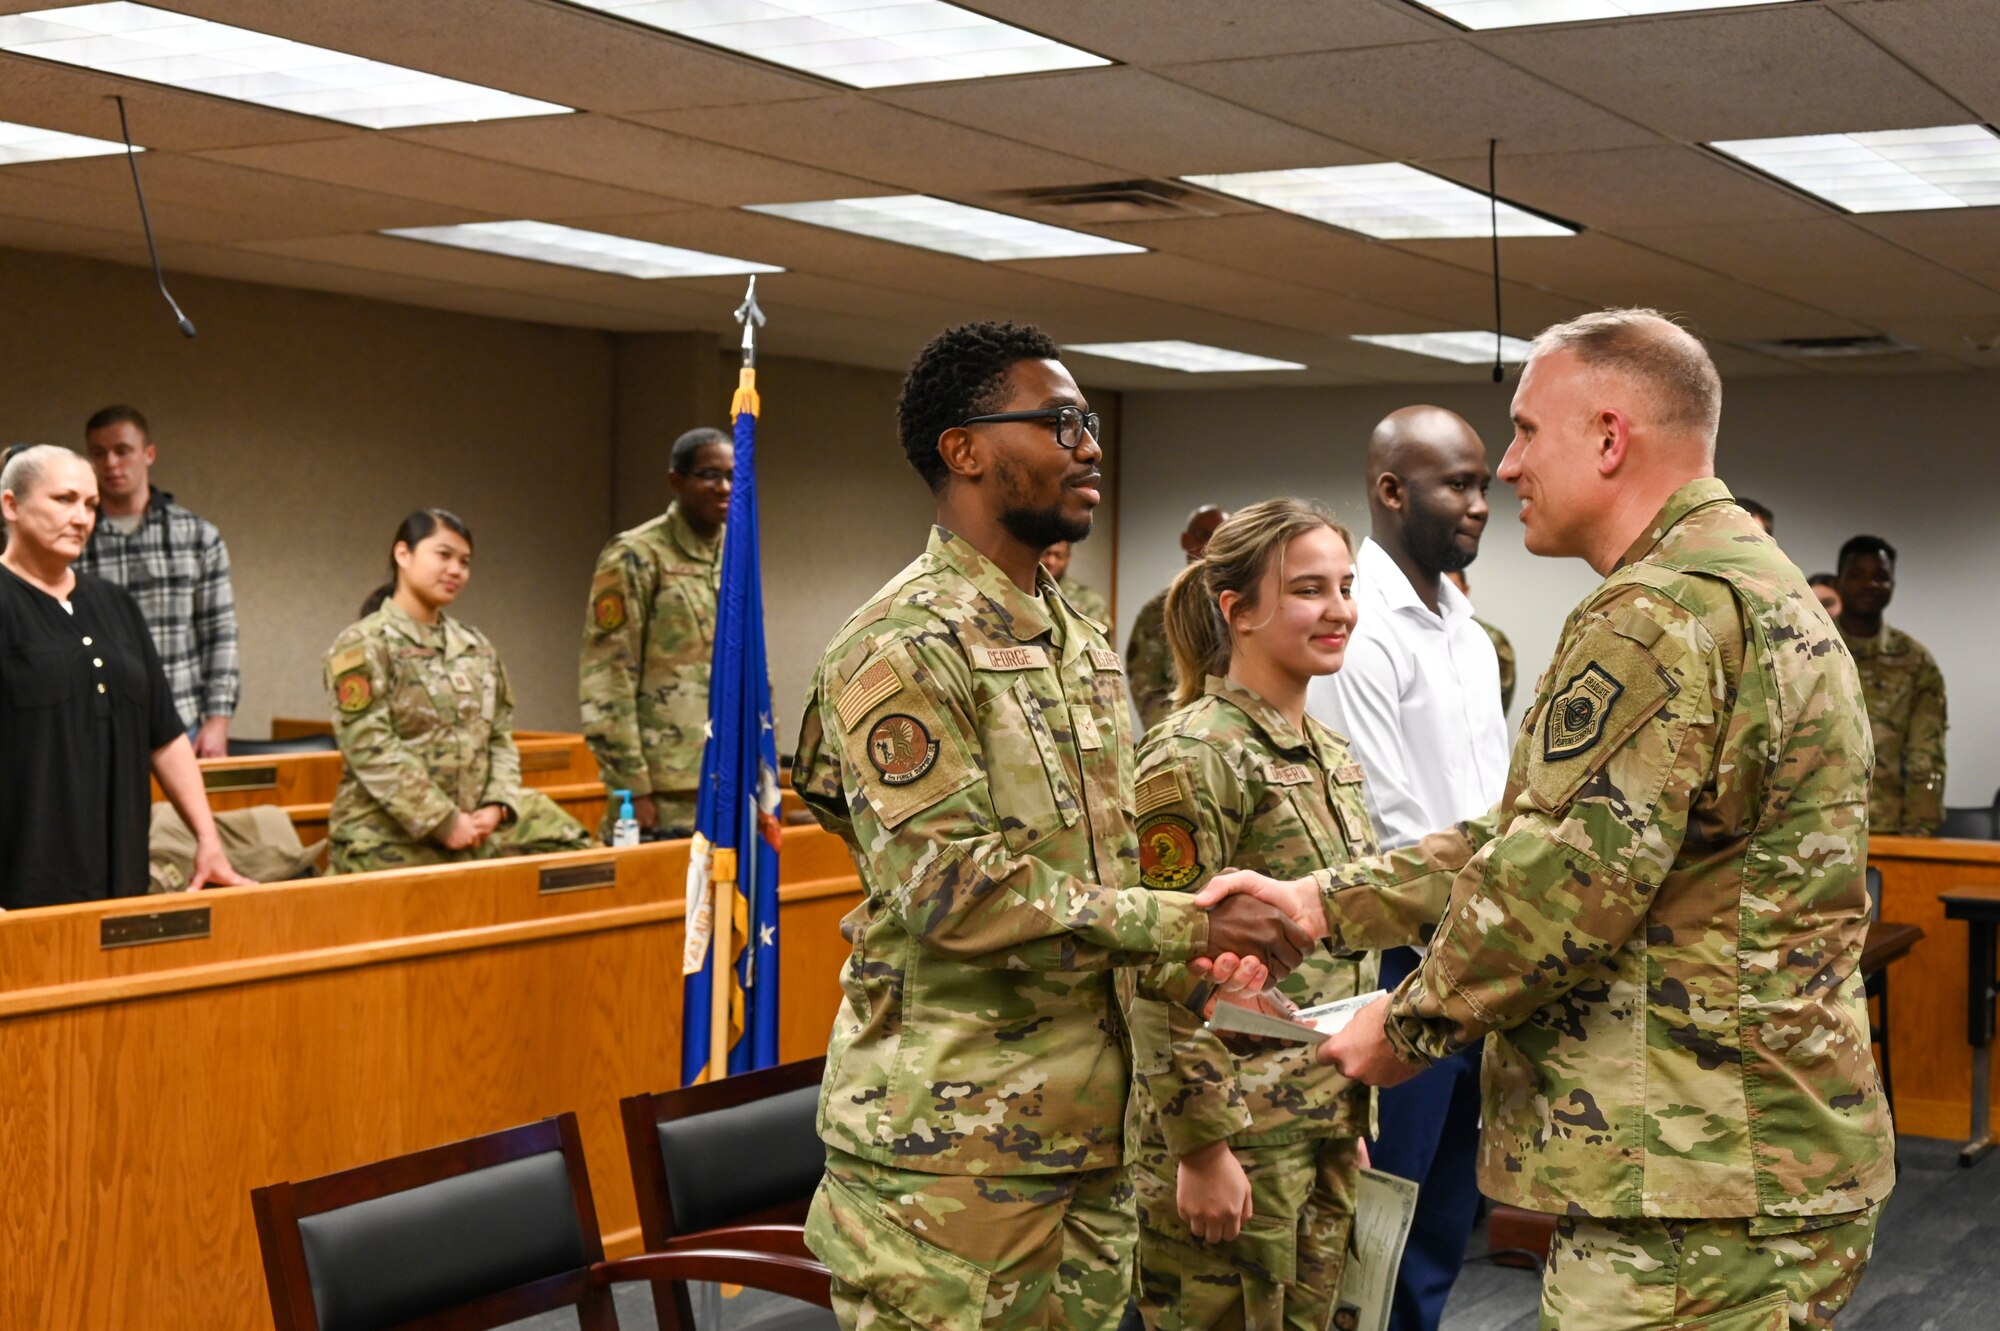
[{"x": 303, "y": 1028}]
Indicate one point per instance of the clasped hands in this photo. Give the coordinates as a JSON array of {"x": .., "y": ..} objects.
[{"x": 1256, "y": 925}]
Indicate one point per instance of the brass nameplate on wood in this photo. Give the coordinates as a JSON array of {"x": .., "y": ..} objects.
[
  {"x": 160, "y": 926},
  {"x": 577, "y": 877},
  {"x": 545, "y": 760},
  {"x": 239, "y": 778}
]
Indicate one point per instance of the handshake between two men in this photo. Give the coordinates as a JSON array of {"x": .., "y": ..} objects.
[{"x": 1259, "y": 930}]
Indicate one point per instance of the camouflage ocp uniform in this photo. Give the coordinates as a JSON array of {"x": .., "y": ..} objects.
[
  {"x": 648, "y": 642},
  {"x": 1508, "y": 664},
  {"x": 1904, "y": 690},
  {"x": 1229, "y": 781},
  {"x": 1086, "y": 601},
  {"x": 425, "y": 720},
  {"x": 972, "y": 746},
  {"x": 1657, "y": 933},
  {"x": 1149, "y": 664}
]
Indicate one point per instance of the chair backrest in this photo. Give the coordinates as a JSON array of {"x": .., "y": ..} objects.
[
  {"x": 1872, "y": 876},
  {"x": 251, "y": 748},
  {"x": 481, "y": 1232},
  {"x": 1972, "y": 824},
  {"x": 742, "y": 1150}
]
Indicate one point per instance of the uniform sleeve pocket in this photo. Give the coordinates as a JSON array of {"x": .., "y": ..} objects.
[
  {"x": 900, "y": 743},
  {"x": 1606, "y": 690},
  {"x": 865, "y": 1247}
]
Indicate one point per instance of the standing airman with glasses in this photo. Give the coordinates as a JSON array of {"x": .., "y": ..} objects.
[{"x": 649, "y": 636}]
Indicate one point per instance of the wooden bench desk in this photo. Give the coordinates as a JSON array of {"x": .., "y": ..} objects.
[
  {"x": 307, "y": 1027},
  {"x": 1979, "y": 906}
]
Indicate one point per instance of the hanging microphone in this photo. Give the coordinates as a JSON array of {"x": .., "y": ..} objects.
[
  {"x": 132, "y": 160},
  {"x": 1493, "y": 207}
]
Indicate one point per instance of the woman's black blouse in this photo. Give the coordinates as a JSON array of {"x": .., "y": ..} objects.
[{"x": 83, "y": 705}]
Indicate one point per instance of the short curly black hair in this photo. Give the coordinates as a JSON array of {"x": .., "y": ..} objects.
[
  {"x": 958, "y": 374},
  {"x": 1857, "y": 546}
]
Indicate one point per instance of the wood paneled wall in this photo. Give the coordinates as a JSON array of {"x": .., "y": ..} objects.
[
  {"x": 326, "y": 1024},
  {"x": 1930, "y": 1060}
]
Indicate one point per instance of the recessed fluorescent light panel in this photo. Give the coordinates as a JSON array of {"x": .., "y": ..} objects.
[
  {"x": 1465, "y": 348},
  {"x": 27, "y": 143},
  {"x": 861, "y": 43},
  {"x": 1898, "y": 170},
  {"x": 1192, "y": 357},
  {"x": 1386, "y": 200},
  {"x": 545, "y": 242},
  {"x": 160, "y": 46},
  {"x": 951, "y": 228},
  {"x": 1481, "y": 14}
]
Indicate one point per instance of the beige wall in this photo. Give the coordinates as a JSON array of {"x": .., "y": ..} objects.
[
  {"x": 306, "y": 425},
  {"x": 1906, "y": 457}
]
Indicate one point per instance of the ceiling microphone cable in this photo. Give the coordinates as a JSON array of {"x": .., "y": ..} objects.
[
  {"x": 153, "y": 250},
  {"x": 1493, "y": 213}
]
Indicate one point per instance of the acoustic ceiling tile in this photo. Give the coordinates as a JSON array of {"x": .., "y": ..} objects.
[
  {"x": 78, "y": 101},
  {"x": 1431, "y": 99},
  {"x": 1632, "y": 186},
  {"x": 1138, "y": 122},
  {"x": 1733, "y": 74},
  {"x": 639, "y": 157},
  {"x": 1149, "y": 32},
  {"x": 871, "y": 140},
  {"x": 1954, "y": 43}
]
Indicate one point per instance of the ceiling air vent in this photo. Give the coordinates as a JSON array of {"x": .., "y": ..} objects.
[
  {"x": 1116, "y": 201},
  {"x": 1832, "y": 348}
]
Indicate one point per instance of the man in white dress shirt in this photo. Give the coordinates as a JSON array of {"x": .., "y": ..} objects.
[{"x": 1419, "y": 698}]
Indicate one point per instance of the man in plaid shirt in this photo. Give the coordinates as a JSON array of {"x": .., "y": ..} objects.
[{"x": 175, "y": 566}]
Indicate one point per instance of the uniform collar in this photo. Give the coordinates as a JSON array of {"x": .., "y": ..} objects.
[
  {"x": 691, "y": 545},
  {"x": 1276, "y": 727},
  {"x": 1694, "y": 495},
  {"x": 1019, "y": 614},
  {"x": 446, "y": 636},
  {"x": 1881, "y": 643}
]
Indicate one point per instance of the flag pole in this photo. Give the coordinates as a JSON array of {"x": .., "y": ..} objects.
[{"x": 722, "y": 948}]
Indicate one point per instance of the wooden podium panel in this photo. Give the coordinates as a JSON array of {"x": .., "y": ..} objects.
[
  {"x": 328, "y": 1023},
  {"x": 1927, "y": 990}
]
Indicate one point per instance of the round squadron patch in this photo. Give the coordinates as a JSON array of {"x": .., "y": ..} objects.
[
  {"x": 609, "y": 610},
  {"x": 901, "y": 749},
  {"x": 353, "y": 691},
  {"x": 1167, "y": 856}
]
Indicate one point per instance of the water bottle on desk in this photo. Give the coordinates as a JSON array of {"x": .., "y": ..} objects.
[{"x": 625, "y": 831}]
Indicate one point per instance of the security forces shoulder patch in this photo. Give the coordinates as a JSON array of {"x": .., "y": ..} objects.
[
  {"x": 1574, "y": 720},
  {"x": 901, "y": 749},
  {"x": 1168, "y": 859},
  {"x": 609, "y": 611}
]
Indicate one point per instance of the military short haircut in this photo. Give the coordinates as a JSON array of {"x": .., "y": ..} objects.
[
  {"x": 1646, "y": 346},
  {"x": 118, "y": 414},
  {"x": 1858, "y": 546},
  {"x": 1822, "y": 580},
  {"x": 689, "y": 446},
  {"x": 959, "y": 374},
  {"x": 1757, "y": 510}
]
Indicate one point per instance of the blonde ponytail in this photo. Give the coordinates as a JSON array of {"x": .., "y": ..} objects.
[{"x": 1235, "y": 560}]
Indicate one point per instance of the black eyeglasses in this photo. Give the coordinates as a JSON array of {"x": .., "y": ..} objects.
[
  {"x": 710, "y": 475},
  {"x": 1071, "y": 423}
]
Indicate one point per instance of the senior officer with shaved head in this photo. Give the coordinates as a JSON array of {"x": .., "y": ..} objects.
[
  {"x": 968, "y": 736},
  {"x": 1657, "y": 931}
]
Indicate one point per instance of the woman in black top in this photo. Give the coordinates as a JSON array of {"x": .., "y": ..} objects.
[{"x": 85, "y": 710}]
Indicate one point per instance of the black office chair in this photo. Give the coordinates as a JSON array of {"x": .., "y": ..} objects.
[
  {"x": 257, "y": 748},
  {"x": 471, "y": 1236},
  {"x": 1971, "y": 824},
  {"x": 729, "y": 1164}
]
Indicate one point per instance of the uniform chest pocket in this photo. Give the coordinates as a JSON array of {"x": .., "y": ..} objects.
[
  {"x": 413, "y": 710},
  {"x": 1033, "y": 796},
  {"x": 39, "y": 676}
]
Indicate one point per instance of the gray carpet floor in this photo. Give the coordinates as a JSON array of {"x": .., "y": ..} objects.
[{"x": 1936, "y": 1267}]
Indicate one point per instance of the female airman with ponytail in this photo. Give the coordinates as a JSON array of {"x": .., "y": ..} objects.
[
  {"x": 424, "y": 717},
  {"x": 1246, "y": 1172}
]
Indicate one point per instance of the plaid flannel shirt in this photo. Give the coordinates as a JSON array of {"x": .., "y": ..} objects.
[{"x": 177, "y": 569}]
